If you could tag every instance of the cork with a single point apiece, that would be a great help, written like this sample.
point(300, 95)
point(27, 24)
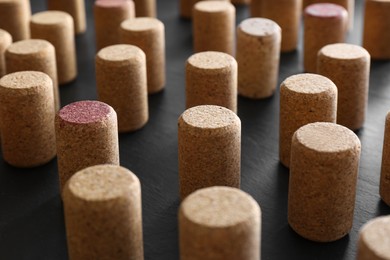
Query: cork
point(145, 8)
point(76, 8)
point(15, 16)
point(211, 79)
point(149, 35)
point(241, 2)
point(384, 188)
point(121, 83)
point(103, 214)
point(324, 24)
point(5, 42)
point(323, 175)
point(219, 223)
point(35, 55)
point(287, 14)
point(304, 98)
point(214, 26)
point(374, 238)
point(87, 135)
point(348, 66)
point(186, 6)
point(27, 115)
point(258, 54)
point(57, 28)
point(209, 148)
point(108, 16)
point(376, 39)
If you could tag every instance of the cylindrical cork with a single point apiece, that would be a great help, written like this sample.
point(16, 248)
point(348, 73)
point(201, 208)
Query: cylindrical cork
point(214, 26)
point(384, 188)
point(348, 66)
point(103, 214)
point(324, 24)
point(121, 83)
point(76, 8)
point(187, 5)
point(374, 239)
point(148, 34)
point(376, 37)
point(323, 176)
point(145, 8)
point(86, 135)
point(108, 15)
point(27, 116)
point(287, 14)
point(5, 42)
point(15, 16)
point(211, 79)
point(209, 135)
point(35, 55)
point(304, 99)
point(258, 54)
point(219, 223)
point(241, 2)
point(57, 28)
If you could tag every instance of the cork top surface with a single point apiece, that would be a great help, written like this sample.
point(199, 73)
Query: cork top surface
point(327, 137)
point(30, 46)
point(102, 183)
point(211, 60)
point(308, 83)
point(259, 27)
point(120, 52)
point(376, 235)
point(5, 36)
point(213, 6)
point(25, 80)
point(325, 10)
point(112, 3)
point(50, 17)
point(344, 51)
point(209, 117)
point(84, 112)
point(141, 24)
point(219, 207)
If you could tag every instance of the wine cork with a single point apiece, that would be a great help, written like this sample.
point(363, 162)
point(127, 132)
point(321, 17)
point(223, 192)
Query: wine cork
point(219, 223)
point(348, 66)
point(57, 28)
point(214, 26)
point(27, 115)
point(121, 83)
point(258, 54)
point(15, 16)
point(5, 42)
point(187, 5)
point(145, 8)
point(323, 176)
point(108, 15)
point(86, 135)
point(35, 55)
point(384, 188)
point(324, 24)
point(209, 135)
point(374, 238)
point(103, 214)
point(148, 34)
point(76, 8)
point(376, 39)
point(241, 2)
point(304, 99)
point(211, 79)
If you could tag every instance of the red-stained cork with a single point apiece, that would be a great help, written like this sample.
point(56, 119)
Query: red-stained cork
point(85, 112)
point(325, 10)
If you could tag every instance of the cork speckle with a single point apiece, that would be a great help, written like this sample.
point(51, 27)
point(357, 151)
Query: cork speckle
point(211, 60)
point(29, 46)
point(24, 80)
point(344, 51)
point(325, 10)
point(209, 116)
point(308, 83)
point(259, 27)
point(119, 52)
point(84, 112)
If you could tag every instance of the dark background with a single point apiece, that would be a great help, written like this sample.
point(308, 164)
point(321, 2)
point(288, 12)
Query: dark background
point(31, 216)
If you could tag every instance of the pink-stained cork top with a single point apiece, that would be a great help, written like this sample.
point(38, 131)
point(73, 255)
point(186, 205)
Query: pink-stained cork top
point(325, 10)
point(85, 112)
point(112, 3)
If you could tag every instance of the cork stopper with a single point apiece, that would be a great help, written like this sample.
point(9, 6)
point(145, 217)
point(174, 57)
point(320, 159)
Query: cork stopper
point(76, 8)
point(120, 54)
point(85, 112)
point(259, 27)
point(113, 3)
point(344, 51)
point(5, 42)
point(146, 8)
point(15, 16)
point(384, 188)
point(213, 6)
point(211, 60)
point(325, 10)
point(28, 81)
point(308, 83)
point(141, 24)
point(50, 18)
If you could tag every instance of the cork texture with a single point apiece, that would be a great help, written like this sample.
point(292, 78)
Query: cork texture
point(258, 54)
point(15, 16)
point(348, 66)
point(241, 2)
point(304, 98)
point(27, 115)
point(5, 42)
point(185, 7)
point(384, 188)
point(376, 39)
point(35, 55)
point(121, 83)
point(149, 35)
point(214, 26)
point(103, 214)
point(209, 142)
point(211, 79)
point(87, 135)
point(323, 176)
point(219, 223)
point(145, 8)
point(324, 24)
point(108, 16)
point(57, 28)
point(76, 8)
point(373, 241)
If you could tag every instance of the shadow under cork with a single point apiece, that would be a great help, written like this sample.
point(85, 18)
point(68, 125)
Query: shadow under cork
point(382, 208)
